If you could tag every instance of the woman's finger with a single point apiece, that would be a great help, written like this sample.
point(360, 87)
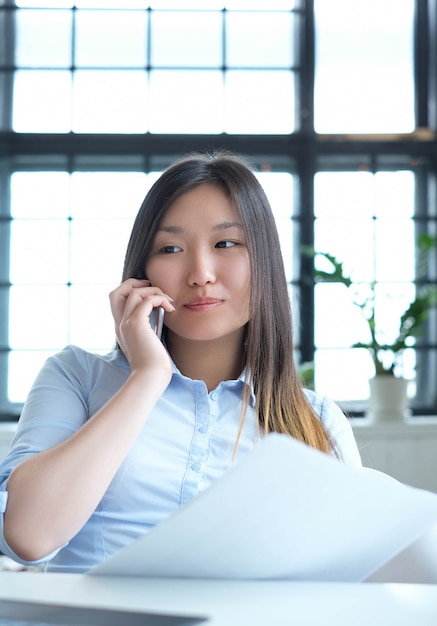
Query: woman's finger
point(119, 296)
point(131, 305)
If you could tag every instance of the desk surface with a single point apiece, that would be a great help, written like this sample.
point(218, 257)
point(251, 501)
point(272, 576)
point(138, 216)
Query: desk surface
point(236, 603)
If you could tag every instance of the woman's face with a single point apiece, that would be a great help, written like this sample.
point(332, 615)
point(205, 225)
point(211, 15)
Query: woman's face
point(200, 259)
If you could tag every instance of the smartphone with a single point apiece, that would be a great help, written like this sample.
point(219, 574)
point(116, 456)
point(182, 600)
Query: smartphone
point(157, 320)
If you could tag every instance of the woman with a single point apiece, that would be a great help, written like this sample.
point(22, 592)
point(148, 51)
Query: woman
point(125, 439)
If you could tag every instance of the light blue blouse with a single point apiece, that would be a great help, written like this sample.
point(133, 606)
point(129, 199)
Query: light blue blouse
point(186, 444)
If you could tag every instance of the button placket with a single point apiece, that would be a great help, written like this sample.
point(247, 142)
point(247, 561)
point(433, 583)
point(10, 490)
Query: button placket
point(199, 445)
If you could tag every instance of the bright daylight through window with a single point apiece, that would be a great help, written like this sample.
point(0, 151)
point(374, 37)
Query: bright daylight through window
point(98, 97)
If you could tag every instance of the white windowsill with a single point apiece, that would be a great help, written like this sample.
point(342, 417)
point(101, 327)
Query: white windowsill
point(410, 426)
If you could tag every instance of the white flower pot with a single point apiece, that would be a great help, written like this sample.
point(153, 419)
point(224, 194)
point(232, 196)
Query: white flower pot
point(388, 400)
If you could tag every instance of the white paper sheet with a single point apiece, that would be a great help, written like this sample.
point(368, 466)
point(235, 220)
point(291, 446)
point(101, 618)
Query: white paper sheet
point(285, 511)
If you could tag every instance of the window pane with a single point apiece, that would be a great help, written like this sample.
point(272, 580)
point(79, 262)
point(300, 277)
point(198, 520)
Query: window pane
point(356, 216)
point(112, 4)
point(43, 38)
point(394, 194)
point(394, 255)
point(42, 101)
point(40, 195)
point(100, 262)
point(270, 5)
point(111, 38)
point(341, 325)
point(204, 5)
point(259, 102)
point(391, 300)
point(259, 39)
point(51, 4)
point(186, 102)
point(343, 195)
point(343, 374)
point(279, 188)
point(107, 194)
point(38, 317)
point(364, 66)
point(95, 330)
point(349, 240)
point(186, 39)
point(110, 101)
point(23, 367)
point(39, 251)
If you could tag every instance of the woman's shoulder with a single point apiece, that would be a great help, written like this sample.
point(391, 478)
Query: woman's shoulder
point(322, 405)
point(75, 357)
point(336, 423)
point(74, 383)
point(82, 369)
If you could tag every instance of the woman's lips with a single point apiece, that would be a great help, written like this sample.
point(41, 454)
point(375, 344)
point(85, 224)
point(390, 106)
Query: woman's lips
point(203, 305)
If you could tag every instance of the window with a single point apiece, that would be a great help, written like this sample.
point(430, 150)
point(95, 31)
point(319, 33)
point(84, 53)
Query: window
point(364, 67)
point(69, 232)
point(333, 103)
point(161, 68)
point(367, 220)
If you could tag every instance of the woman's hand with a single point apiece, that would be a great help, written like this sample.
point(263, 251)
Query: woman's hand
point(131, 305)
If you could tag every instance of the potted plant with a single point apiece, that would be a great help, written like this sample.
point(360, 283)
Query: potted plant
point(386, 355)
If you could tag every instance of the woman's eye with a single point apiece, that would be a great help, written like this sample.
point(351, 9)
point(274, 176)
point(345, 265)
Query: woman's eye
point(225, 244)
point(170, 249)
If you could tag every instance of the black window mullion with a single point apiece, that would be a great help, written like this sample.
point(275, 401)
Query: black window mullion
point(306, 171)
point(7, 60)
point(421, 65)
point(5, 231)
point(431, 61)
point(306, 71)
point(305, 157)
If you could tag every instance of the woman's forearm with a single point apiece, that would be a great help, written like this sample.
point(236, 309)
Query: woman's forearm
point(52, 494)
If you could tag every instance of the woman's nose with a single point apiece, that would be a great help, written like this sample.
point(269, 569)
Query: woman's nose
point(201, 269)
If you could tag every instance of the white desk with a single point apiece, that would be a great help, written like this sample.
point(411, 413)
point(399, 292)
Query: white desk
point(236, 603)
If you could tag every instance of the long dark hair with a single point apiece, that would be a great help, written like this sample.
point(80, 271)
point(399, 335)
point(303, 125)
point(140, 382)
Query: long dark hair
point(281, 403)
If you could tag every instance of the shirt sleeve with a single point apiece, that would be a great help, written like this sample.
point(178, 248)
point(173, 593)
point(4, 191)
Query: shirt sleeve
point(338, 427)
point(55, 408)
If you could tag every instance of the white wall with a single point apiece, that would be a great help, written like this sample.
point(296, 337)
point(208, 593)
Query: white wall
point(405, 450)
